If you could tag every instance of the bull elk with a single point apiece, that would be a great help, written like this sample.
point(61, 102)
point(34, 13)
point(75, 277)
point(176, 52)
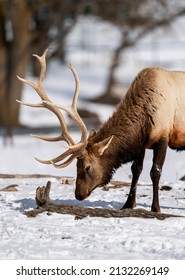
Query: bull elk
point(150, 116)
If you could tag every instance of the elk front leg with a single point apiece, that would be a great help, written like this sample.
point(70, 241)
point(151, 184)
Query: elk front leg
point(136, 169)
point(158, 160)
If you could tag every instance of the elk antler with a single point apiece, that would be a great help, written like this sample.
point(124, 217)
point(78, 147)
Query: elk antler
point(73, 149)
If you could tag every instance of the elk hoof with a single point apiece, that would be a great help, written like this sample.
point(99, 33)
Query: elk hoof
point(155, 209)
point(128, 205)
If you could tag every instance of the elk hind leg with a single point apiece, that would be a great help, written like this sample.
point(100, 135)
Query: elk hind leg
point(155, 173)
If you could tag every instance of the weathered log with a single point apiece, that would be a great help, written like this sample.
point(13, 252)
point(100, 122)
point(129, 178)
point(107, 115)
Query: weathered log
point(23, 176)
point(44, 204)
point(42, 195)
point(10, 188)
point(62, 179)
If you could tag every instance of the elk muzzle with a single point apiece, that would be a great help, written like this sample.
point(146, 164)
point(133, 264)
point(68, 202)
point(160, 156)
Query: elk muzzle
point(81, 192)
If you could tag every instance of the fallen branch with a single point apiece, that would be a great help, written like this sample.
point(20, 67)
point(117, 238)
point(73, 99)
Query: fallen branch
point(120, 184)
point(10, 188)
point(44, 204)
point(67, 180)
point(64, 180)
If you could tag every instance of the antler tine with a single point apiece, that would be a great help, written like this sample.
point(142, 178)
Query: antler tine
point(42, 60)
point(77, 85)
point(56, 159)
point(72, 111)
point(39, 105)
point(74, 105)
point(61, 157)
point(39, 89)
point(66, 163)
point(49, 139)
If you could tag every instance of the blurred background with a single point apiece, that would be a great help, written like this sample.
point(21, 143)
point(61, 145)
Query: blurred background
point(108, 42)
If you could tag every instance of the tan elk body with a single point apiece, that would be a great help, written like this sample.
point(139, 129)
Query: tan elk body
point(150, 116)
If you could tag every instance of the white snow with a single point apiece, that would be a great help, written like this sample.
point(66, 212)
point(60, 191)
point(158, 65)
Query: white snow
point(61, 236)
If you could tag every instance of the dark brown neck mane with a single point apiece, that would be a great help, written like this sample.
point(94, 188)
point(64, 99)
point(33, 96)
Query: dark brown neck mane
point(130, 125)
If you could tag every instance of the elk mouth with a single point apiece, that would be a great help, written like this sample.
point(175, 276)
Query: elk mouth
point(97, 186)
point(89, 192)
point(81, 196)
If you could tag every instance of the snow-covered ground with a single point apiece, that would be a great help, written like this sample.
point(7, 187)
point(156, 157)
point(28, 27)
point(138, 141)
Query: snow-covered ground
point(61, 236)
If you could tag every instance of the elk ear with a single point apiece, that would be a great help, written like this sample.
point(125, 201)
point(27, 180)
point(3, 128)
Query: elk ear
point(92, 133)
point(103, 145)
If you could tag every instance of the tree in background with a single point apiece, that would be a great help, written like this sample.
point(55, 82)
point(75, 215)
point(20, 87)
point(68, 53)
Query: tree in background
point(30, 26)
point(27, 27)
point(135, 19)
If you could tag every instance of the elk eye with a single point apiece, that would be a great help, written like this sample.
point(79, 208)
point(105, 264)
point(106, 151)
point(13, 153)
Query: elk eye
point(87, 168)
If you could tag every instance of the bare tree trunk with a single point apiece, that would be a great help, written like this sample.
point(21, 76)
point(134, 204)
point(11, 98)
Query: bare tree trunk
point(14, 55)
point(108, 95)
point(3, 79)
point(17, 57)
point(129, 41)
point(2, 85)
point(2, 64)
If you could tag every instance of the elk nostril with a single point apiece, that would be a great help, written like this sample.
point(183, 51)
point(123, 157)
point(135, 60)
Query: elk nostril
point(78, 195)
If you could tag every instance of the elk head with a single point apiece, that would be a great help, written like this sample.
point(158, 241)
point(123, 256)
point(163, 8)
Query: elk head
point(90, 156)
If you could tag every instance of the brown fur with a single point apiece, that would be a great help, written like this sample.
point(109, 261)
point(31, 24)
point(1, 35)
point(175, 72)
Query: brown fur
point(136, 124)
point(150, 116)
